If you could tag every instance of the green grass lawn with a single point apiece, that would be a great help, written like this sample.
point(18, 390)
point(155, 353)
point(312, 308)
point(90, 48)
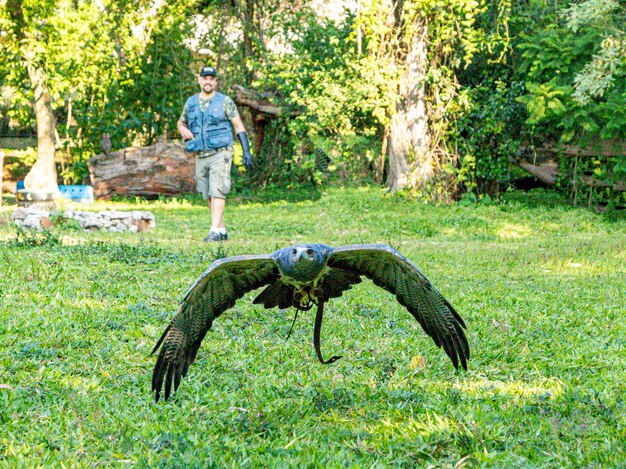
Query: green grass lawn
point(541, 286)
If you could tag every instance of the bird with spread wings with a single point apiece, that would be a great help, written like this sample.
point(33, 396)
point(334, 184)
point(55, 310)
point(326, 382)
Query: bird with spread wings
point(302, 276)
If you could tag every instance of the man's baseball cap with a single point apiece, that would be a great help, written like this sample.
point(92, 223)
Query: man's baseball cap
point(210, 71)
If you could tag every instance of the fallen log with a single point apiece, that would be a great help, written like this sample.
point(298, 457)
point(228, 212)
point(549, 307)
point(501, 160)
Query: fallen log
point(164, 168)
point(546, 172)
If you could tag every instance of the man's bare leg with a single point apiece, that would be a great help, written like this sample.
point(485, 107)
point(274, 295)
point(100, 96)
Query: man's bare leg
point(216, 205)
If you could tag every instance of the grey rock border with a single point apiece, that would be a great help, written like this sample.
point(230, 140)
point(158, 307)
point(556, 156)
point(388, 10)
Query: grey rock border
point(110, 220)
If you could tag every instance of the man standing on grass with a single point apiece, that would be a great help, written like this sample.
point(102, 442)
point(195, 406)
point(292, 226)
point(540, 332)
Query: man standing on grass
point(206, 126)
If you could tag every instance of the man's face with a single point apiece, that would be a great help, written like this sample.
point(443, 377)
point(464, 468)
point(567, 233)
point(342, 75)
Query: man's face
point(208, 84)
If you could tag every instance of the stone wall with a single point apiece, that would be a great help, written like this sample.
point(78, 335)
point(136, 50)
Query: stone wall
point(35, 218)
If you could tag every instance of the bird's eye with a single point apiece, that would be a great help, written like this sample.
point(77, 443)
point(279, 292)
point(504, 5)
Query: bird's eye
point(294, 251)
point(310, 252)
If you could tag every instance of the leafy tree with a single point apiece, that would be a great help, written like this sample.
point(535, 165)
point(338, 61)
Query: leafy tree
point(143, 100)
point(607, 67)
point(491, 125)
point(368, 79)
point(560, 82)
point(425, 44)
point(576, 91)
point(336, 97)
point(91, 67)
point(438, 96)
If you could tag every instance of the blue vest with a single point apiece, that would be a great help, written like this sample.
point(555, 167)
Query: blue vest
point(211, 129)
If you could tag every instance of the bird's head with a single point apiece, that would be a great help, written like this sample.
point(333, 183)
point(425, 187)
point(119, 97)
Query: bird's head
point(303, 262)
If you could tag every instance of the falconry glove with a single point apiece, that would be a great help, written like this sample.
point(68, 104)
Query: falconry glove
point(245, 145)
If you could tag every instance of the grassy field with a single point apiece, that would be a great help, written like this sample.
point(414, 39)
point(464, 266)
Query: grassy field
point(541, 286)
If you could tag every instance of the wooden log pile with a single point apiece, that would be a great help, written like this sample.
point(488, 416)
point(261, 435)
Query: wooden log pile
point(164, 168)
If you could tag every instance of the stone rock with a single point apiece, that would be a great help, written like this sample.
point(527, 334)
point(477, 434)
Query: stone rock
point(32, 222)
point(33, 210)
point(115, 221)
point(142, 225)
point(19, 213)
point(120, 215)
point(92, 222)
point(45, 223)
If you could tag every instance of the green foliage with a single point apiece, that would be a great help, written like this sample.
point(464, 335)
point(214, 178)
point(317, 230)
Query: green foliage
point(489, 122)
point(501, 76)
point(465, 39)
point(112, 67)
point(337, 99)
point(540, 285)
point(489, 134)
point(62, 222)
point(145, 102)
point(575, 73)
point(560, 84)
point(608, 64)
point(545, 101)
point(339, 81)
point(29, 238)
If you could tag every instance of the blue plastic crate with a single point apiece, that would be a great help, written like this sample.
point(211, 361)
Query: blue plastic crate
point(81, 194)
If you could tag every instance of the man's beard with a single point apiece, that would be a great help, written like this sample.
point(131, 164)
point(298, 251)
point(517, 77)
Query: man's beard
point(207, 88)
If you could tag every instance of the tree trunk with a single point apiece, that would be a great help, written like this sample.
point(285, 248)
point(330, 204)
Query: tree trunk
point(1, 172)
point(43, 174)
point(408, 141)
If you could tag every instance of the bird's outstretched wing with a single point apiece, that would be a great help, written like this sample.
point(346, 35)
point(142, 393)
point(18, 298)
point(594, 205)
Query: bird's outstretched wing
point(217, 289)
point(388, 269)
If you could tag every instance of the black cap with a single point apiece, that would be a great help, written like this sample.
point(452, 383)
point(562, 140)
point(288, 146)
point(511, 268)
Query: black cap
point(210, 71)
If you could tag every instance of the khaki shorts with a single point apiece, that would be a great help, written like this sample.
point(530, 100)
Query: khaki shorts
point(213, 174)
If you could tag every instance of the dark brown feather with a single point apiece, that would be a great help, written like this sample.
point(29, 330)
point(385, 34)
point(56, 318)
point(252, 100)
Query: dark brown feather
point(276, 294)
point(336, 281)
point(388, 269)
point(225, 281)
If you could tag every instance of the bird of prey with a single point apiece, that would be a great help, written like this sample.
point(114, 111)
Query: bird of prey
point(302, 276)
point(105, 142)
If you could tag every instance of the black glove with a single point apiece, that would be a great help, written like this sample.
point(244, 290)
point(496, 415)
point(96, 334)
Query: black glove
point(245, 145)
